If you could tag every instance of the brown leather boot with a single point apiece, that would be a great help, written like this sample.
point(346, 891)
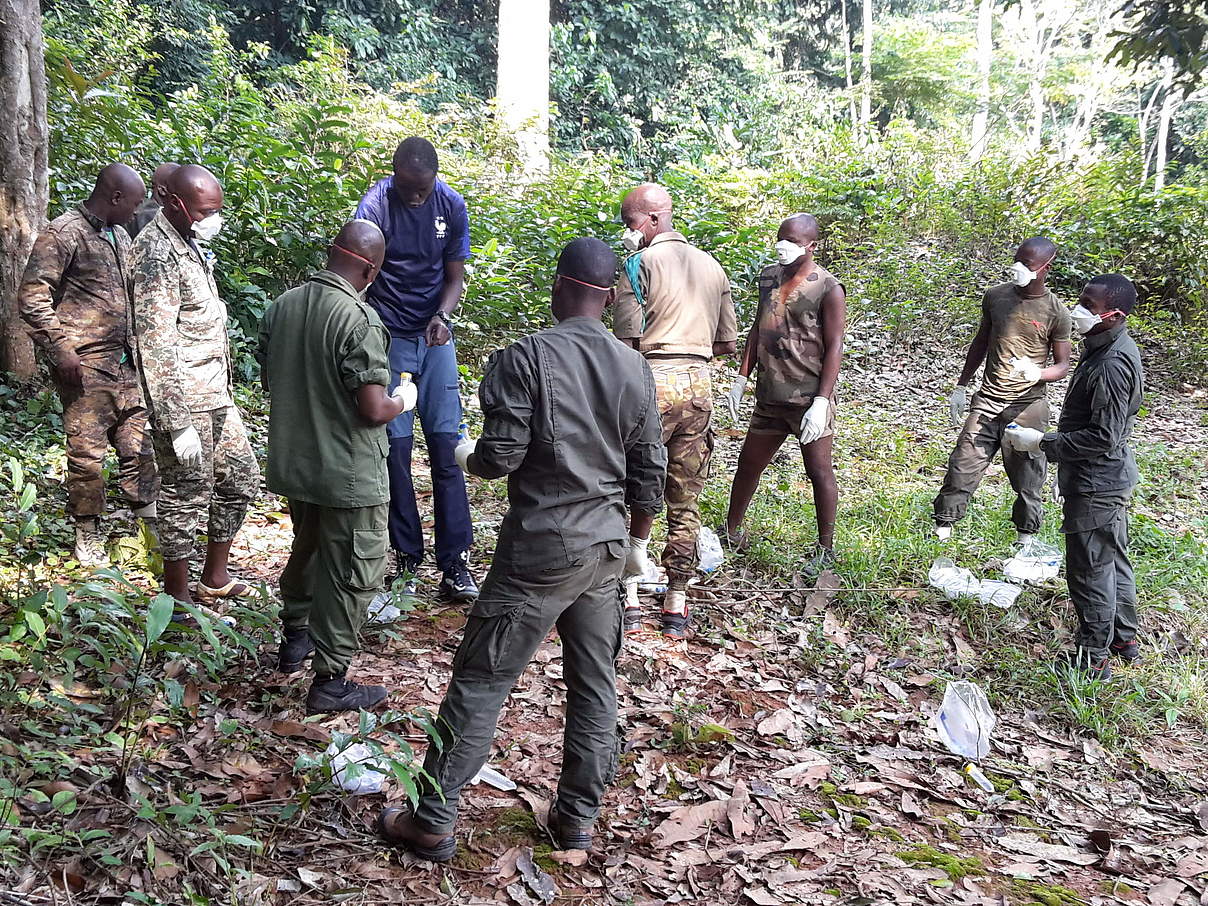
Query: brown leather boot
point(398, 826)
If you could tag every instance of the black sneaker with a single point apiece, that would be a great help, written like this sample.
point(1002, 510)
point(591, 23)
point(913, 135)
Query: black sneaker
point(403, 568)
point(632, 620)
point(1078, 661)
point(337, 693)
point(1130, 652)
point(820, 560)
point(567, 834)
point(674, 625)
point(457, 584)
point(296, 646)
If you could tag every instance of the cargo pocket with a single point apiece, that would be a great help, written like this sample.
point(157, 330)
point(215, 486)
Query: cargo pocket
point(488, 636)
point(368, 560)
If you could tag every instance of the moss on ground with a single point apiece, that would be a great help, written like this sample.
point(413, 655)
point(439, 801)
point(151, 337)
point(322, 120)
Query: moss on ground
point(953, 866)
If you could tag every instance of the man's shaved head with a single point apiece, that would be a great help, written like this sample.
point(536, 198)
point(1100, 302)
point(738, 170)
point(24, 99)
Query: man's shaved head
point(193, 195)
point(356, 253)
point(161, 176)
point(589, 261)
point(799, 228)
point(191, 181)
point(118, 191)
point(1036, 252)
point(644, 199)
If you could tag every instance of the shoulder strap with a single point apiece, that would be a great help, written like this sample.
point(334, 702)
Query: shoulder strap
point(632, 271)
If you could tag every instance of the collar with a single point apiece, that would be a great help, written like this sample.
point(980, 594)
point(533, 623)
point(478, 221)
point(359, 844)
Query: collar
point(93, 221)
point(181, 246)
point(582, 319)
point(669, 236)
point(335, 281)
point(1107, 338)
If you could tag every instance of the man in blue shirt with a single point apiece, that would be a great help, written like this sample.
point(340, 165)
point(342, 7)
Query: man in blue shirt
point(427, 232)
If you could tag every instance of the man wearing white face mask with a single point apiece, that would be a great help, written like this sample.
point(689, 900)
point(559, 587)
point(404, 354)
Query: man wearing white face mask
point(1024, 340)
point(208, 471)
point(674, 306)
point(1096, 472)
point(797, 344)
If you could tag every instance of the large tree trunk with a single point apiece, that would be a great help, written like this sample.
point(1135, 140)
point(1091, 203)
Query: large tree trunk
point(851, 93)
point(866, 60)
point(1038, 62)
point(985, 56)
point(522, 80)
point(23, 177)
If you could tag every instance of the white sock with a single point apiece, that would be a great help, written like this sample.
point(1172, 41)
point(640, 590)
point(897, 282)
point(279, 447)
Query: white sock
point(676, 600)
point(1024, 537)
point(631, 593)
point(943, 532)
point(639, 544)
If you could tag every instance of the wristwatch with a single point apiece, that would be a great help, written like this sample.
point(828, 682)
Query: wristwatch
point(444, 317)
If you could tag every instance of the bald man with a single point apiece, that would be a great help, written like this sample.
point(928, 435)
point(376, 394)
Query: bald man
point(208, 471)
point(674, 306)
point(146, 211)
point(324, 357)
point(74, 297)
point(1024, 340)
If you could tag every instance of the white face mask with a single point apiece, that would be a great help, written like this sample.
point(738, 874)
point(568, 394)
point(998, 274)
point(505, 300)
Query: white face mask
point(632, 240)
point(208, 227)
point(787, 252)
point(1085, 321)
point(1021, 274)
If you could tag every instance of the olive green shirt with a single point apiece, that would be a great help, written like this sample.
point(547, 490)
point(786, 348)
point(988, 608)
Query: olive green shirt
point(1020, 327)
point(320, 343)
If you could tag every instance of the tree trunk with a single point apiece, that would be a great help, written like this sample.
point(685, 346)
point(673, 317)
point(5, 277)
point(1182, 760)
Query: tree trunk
point(522, 80)
point(851, 92)
point(866, 60)
point(23, 176)
point(1036, 56)
point(1170, 103)
point(985, 55)
point(1143, 127)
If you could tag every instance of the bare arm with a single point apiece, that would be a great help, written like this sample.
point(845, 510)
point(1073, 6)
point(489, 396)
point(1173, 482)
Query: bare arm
point(747, 363)
point(1061, 362)
point(726, 348)
point(977, 352)
point(376, 406)
point(834, 321)
point(438, 333)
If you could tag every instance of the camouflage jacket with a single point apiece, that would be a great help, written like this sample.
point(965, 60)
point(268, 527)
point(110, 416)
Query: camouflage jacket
point(789, 326)
point(73, 294)
point(181, 325)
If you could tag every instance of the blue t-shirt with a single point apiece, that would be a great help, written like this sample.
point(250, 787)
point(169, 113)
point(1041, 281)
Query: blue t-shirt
point(419, 241)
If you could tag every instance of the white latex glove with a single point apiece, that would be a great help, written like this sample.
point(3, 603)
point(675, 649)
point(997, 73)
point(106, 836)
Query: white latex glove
point(734, 397)
point(462, 452)
point(813, 423)
point(1026, 369)
point(957, 404)
point(187, 445)
point(408, 393)
point(637, 560)
point(1025, 440)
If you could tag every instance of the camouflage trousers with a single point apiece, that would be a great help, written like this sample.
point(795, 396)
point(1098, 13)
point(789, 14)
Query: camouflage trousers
point(218, 491)
point(107, 411)
point(685, 398)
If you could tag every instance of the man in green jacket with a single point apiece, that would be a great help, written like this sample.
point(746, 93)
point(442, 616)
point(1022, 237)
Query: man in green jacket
point(323, 352)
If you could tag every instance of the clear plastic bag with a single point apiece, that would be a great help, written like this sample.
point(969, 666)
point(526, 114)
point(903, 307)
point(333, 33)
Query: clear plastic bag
point(708, 549)
point(954, 581)
point(1035, 562)
point(998, 594)
point(965, 720)
point(362, 780)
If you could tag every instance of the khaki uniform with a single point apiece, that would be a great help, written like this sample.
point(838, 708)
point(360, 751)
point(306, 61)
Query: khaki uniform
point(74, 297)
point(1020, 327)
point(318, 345)
point(185, 364)
point(679, 308)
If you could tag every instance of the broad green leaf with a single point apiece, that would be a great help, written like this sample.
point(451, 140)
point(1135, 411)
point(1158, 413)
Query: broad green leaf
point(159, 615)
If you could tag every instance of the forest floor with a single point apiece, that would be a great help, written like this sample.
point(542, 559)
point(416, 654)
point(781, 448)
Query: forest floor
point(782, 754)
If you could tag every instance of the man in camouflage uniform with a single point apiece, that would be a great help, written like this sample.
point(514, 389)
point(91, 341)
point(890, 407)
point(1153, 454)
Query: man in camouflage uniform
point(146, 211)
point(796, 343)
point(205, 462)
point(74, 298)
point(674, 306)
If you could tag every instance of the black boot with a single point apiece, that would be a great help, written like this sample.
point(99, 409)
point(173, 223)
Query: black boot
point(329, 694)
point(458, 585)
point(296, 646)
point(567, 834)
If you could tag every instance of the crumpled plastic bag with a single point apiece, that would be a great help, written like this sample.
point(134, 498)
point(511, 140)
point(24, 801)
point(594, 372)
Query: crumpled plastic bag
point(999, 594)
point(954, 581)
point(708, 550)
point(381, 610)
point(364, 779)
point(965, 720)
point(1035, 562)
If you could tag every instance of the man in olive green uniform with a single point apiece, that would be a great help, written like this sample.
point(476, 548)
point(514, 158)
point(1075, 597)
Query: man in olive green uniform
point(571, 417)
point(74, 297)
point(207, 469)
point(146, 211)
point(797, 343)
point(323, 352)
point(1023, 325)
point(1096, 473)
point(674, 306)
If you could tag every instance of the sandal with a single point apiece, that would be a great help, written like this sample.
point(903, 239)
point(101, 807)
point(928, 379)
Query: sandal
point(236, 588)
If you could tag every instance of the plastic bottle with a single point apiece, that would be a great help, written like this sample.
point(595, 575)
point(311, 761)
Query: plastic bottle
point(463, 433)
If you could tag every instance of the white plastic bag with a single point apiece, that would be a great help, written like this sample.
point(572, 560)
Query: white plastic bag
point(708, 549)
point(1000, 594)
point(954, 581)
point(491, 777)
point(382, 610)
point(965, 720)
point(363, 782)
point(1035, 562)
